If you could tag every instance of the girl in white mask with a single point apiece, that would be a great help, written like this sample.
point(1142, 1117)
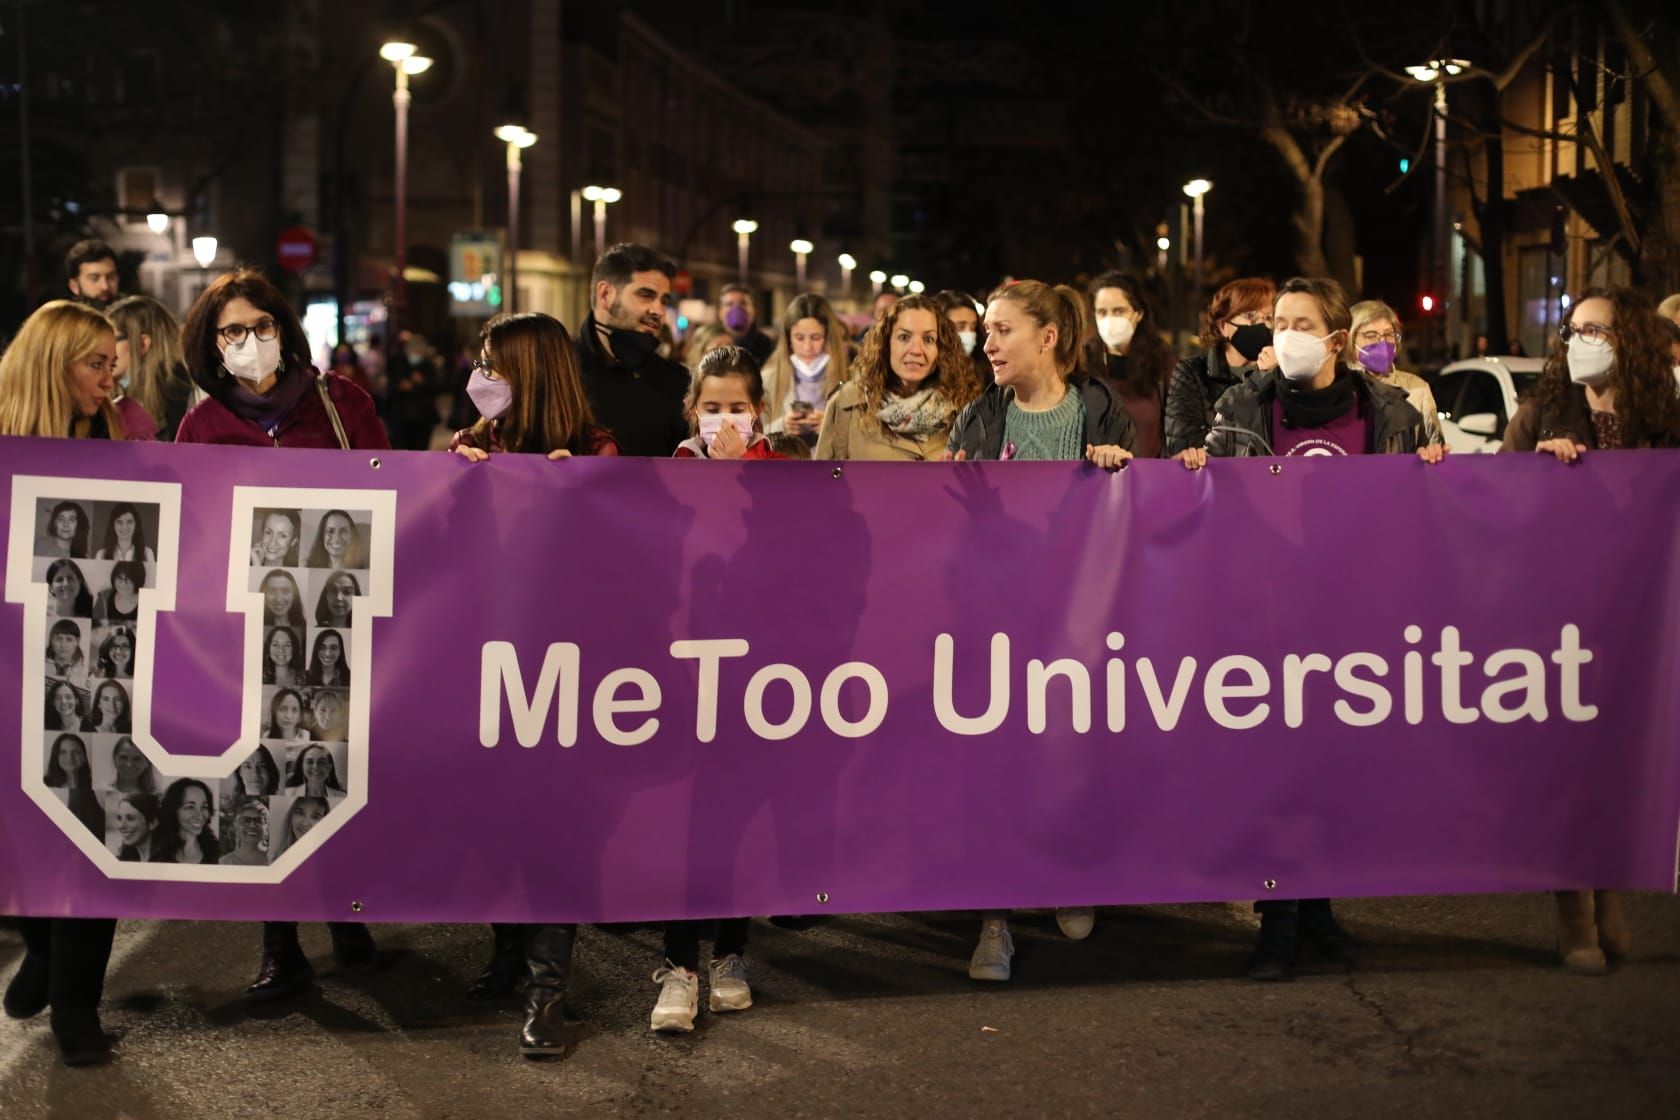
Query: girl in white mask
point(808, 364)
point(1608, 382)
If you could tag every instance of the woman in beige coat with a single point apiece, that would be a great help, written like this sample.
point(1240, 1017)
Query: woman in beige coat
point(910, 380)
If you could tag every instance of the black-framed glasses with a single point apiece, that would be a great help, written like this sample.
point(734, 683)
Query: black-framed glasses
point(484, 366)
point(266, 330)
point(1592, 332)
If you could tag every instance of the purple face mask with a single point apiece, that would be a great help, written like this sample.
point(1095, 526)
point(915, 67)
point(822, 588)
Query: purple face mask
point(1378, 357)
point(737, 318)
point(491, 396)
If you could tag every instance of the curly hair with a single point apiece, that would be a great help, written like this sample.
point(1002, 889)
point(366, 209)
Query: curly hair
point(953, 370)
point(1642, 378)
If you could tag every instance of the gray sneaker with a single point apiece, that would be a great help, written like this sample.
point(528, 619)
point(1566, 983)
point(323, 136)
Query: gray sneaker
point(679, 999)
point(729, 984)
point(991, 957)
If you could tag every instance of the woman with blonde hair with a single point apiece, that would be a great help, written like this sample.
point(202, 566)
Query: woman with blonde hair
point(808, 364)
point(911, 379)
point(1376, 350)
point(149, 364)
point(56, 380)
point(702, 340)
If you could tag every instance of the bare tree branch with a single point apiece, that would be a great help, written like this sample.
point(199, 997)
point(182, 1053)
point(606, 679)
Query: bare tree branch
point(1656, 83)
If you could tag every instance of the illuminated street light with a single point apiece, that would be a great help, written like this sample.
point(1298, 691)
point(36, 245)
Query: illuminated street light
point(1196, 190)
point(847, 264)
point(1432, 73)
point(406, 60)
point(917, 287)
point(204, 250)
point(157, 219)
point(744, 229)
point(517, 138)
point(900, 281)
point(876, 279)
point(602, 197)
point(801, 249)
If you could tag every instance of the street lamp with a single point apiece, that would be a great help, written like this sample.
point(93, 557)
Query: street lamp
point(204, 251)
point(157, 218)
point(847, 264)
point(917, 287)
point(744, 228)
point(1435, 72)
point(406, 60)
point(899, 281)
point(876, 279)
point(1162, 246)
point(801, 249)
point(1196, 190)
point(602, 197)
point(518, 138)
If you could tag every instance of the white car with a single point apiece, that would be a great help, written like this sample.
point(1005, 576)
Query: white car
point(1477, 397)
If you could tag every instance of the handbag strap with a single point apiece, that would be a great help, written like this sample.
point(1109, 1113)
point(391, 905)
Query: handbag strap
point(332, 412)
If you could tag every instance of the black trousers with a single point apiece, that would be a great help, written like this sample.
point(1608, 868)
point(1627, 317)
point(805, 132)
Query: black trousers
point(682, 940)
point(1306, 906)
point(75, 952)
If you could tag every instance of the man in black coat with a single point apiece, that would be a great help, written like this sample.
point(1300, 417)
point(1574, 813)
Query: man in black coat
point(633, 392)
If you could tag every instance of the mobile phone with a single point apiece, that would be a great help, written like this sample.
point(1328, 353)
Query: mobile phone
point(800, 407)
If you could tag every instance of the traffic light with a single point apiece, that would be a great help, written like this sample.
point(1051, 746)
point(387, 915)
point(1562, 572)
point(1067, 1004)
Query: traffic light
point(1405, 166)
point(1427, 302)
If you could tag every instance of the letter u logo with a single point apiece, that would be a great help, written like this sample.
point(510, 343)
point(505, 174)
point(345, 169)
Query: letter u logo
point(94, 562)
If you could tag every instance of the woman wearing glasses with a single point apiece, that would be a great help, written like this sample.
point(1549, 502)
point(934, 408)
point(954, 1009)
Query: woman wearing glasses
point(246, 349)
point(1608, 385)
point(1376, 350)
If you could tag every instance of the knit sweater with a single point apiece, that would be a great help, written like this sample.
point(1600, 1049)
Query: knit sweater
point(1052, 435)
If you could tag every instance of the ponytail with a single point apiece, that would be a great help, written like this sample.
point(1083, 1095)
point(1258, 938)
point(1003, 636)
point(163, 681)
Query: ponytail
point(1061, 307)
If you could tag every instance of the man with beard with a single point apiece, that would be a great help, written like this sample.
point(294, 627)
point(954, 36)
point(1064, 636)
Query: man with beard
point(633, 392)
point(91, 267)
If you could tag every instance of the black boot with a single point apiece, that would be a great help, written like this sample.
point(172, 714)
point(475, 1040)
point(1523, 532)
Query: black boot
point(1274, 954)
point(27, 994)
point(353, 947)
point(284, 970)
point(80, 954)
point(507, 962)
point(1322, 934)
point(548, 957)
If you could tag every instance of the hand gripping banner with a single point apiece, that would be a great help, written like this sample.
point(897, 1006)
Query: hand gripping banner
point(260, 684)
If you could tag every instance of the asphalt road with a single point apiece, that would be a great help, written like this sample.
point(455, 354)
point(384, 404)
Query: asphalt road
point(1457, 1008)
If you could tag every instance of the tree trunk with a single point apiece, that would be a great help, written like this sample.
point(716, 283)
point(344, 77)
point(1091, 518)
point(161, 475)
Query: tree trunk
point(1308, 219)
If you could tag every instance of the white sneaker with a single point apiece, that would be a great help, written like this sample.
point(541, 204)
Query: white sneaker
point(1077, 922)
point(729, 984)
point(991, 957)
point(679, 999)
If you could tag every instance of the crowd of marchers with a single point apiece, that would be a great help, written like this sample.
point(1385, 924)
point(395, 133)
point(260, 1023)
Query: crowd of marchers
point(1034, 371)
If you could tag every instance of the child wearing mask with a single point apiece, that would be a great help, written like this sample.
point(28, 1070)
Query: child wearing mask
point(724, 406)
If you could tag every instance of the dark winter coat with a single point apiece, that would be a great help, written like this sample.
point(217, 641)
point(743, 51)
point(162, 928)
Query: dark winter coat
point(1396, 427)
point(643, 409)
point(307, 425)
point(1196, 385)
point(979, 428)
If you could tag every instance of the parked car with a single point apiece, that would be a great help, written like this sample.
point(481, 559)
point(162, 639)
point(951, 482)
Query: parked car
point(1477, 397)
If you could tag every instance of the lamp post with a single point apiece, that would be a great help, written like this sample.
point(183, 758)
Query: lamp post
point(157, 218)
point(1434, 73)
point(518, 138)
point(801, 249)
point(1162, 246)
point(744, 229)
point(577, 227)
point(900, 281)
point(917, 287)
point(1196, 190)
point(602, 197)
point(405, 60)
point(847, 264)
point(876, 279)
point(204, 251)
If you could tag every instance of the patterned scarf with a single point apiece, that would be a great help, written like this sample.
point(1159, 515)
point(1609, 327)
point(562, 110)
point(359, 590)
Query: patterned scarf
point(919, 415)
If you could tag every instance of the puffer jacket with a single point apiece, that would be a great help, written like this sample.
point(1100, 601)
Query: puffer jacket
point(979, 428)
point(1245, 411)
point(1196, 385)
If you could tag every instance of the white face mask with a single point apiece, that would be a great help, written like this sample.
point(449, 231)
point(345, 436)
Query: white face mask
point(1116, 330)
point(252, 360)
point(710, 423)
point(1300, 355)
point(968, 339)
point(811, 370)
point(1590, 362)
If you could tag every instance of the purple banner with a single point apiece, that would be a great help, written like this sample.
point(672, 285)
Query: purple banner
point(321, 685)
